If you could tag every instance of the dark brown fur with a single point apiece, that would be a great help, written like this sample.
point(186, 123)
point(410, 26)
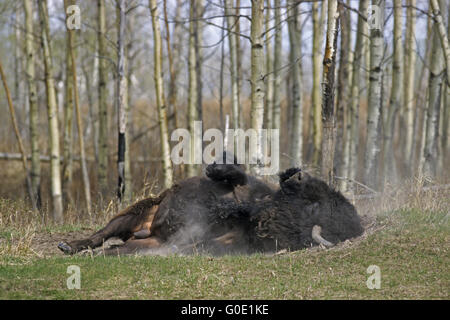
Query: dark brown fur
point(230, 212)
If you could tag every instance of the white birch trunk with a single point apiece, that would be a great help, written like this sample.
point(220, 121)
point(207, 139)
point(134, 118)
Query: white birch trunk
point(435, 87)
point(277, 63)
point(395, 103)
point(257, 76)
point(160, 98)
point(296, 139)
point(375, 102)
point(328, 116)
point(52, 112)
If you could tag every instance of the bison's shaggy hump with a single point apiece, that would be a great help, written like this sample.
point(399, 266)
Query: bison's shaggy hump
point(287, 220)
point(192, 211)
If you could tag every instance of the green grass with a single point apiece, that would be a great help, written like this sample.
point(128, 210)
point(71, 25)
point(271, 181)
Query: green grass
point(411, 249)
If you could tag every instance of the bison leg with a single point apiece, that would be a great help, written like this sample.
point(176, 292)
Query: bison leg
point(133, 246)
point(134, 219)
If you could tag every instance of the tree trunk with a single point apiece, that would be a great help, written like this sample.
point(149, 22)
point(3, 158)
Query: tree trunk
point(409, 84)
point(121, 101)
point(433, 108)
point(198, 36)
point(389, 173)
point(84, 170)
point(269, 72)
point(296, 139)
point(239, 57)
point(355, 93)
point(192, 95)
point(17, 61)
point(443, 37)
point(316, 94)
point(173, 65)
point(277, 59)
point(375, 102)
point(231, 22)
point(67, 166)
point(52, 112)
point(257, 76)
point(160, 98)
point(102, 103)
point(343, 90)
point(446, 111)
point(32, 98)
point(328, 121)
point(420, 117)
point(17, 133)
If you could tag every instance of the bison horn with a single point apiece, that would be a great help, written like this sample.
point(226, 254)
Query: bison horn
point(316, 230)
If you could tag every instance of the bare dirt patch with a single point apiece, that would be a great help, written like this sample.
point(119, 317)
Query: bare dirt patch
point(45, 243)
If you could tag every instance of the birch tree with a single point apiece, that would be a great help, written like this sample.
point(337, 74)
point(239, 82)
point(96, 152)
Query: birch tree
point(198, 36)
point(257, 74)
point(355, 92)
point(84, 170)
point(296, 139)
point(160, 98)
point(318, 21)
point(238, 55)
point(17, 133)
point(192, 91)
point(446, 111)
point(277, 59)
point(443, 37)
point(329, 65)
point(421, 103)
point(102, 99)
point(67, 170)
point(17, 57)
point(121, 101)
point(396, 96)
point(35, 171)
point(375, 99)
point(173, 57)
point(433, 108)
point(231, 22)
point(409, 83)
point(342, 145)
point(52, 112)
point(269, 71)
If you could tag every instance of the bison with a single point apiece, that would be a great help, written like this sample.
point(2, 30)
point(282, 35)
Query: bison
point(229, 212)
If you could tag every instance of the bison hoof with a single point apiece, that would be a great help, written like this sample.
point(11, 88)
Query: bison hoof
point(64, 247)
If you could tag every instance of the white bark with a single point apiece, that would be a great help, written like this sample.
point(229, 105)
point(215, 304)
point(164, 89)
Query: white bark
point(375, 102)
point(328, 116)
point(257, 75)
point(277, 63)
point(409, 84)
point(52, 112)
point(160, 98)
point(231, 22)
point(296, 140)
point(192, 94)
point(435, 87)
point(396, 97)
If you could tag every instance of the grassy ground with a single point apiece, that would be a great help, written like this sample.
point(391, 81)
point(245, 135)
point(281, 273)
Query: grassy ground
point(410, 247)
